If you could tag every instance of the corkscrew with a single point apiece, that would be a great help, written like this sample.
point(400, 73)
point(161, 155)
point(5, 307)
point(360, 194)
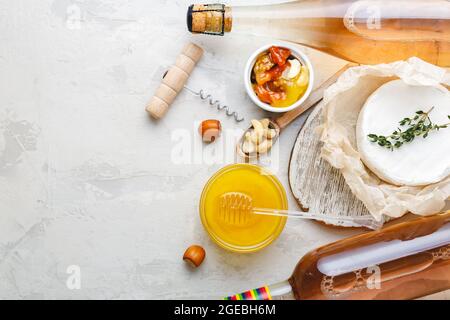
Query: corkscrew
point(215, 103)
point(175, 79)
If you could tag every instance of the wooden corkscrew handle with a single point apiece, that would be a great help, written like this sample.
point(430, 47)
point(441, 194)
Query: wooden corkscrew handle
point(174, 80)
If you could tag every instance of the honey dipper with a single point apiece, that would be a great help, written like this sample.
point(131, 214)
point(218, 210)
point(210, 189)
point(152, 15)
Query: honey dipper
point(236, 208)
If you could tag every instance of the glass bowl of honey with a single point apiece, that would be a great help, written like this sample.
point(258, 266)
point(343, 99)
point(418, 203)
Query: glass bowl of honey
point(265, 191)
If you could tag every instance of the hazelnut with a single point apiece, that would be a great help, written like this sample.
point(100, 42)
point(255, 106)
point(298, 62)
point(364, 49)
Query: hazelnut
point(210, 130)
point(194, 255)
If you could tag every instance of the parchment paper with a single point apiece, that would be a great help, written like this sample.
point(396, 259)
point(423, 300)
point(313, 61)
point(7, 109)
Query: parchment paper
point(343, 101)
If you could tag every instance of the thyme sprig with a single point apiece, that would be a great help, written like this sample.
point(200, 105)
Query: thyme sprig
point(419, 125)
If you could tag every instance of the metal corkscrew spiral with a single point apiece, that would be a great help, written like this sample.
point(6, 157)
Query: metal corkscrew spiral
point(204, 97)
point(215, 103)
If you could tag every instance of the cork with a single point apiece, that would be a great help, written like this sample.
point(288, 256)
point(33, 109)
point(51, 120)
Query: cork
point(228, 20)
point(198, 20)
point(209, 18)
point(174, 80)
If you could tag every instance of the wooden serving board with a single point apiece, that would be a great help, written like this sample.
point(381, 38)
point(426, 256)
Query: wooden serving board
point(316, 185)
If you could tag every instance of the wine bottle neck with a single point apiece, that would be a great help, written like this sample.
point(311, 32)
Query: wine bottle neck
point(218, 19)
point(321, 23)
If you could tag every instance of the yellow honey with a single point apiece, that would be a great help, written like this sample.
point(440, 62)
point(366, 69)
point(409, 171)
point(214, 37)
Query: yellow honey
point(265, 190)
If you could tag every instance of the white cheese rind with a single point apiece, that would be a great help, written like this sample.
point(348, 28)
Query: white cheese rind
point(420, 162)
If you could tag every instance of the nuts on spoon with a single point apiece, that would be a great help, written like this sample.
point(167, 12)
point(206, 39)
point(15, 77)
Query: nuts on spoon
point(259, 138)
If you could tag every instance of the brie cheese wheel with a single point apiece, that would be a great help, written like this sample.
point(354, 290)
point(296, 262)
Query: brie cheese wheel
point(417, 163)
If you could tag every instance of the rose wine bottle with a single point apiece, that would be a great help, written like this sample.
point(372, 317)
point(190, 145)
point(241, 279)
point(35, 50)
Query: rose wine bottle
point(365, 31)
point(404, 261)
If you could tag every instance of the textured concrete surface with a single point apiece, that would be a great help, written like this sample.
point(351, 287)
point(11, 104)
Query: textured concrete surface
point(94, 201)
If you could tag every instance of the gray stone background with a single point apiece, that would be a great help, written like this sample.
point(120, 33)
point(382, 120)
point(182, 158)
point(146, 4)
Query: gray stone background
point(87, 181)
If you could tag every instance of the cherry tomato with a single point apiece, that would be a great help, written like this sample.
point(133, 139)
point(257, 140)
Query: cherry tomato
point(272, 74)
point(279, 55)
point(268, 96)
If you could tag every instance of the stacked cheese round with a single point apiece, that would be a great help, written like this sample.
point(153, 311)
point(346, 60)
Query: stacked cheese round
point(420, 162)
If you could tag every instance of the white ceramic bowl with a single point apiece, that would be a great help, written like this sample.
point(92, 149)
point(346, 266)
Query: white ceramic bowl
point(248, 73)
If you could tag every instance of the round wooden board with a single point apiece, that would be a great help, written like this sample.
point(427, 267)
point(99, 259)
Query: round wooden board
point(316, 185)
